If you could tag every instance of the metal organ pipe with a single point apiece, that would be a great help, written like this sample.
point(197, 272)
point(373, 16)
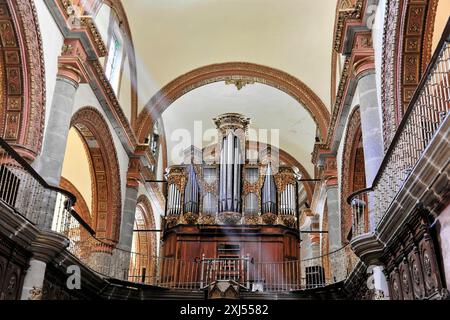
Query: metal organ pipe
point(236, 175)
point(229, 174)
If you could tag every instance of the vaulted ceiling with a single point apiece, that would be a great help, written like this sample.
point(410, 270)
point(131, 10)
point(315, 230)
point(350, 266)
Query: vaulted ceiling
point(174, 37)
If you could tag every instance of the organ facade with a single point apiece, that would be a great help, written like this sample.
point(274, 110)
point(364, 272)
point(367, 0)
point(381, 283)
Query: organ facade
point(231, 211)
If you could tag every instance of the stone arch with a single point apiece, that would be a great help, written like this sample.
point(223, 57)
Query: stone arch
point(238, 71)
point(353, 169)
point(106, 190)
point(22, 77)
point(408, 32)
point(80, 207)
point(147, 239)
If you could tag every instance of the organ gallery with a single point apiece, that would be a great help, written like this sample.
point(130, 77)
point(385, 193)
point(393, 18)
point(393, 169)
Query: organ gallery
point(239, 217)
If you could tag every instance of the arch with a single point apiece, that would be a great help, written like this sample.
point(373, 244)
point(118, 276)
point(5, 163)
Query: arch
point(106, 190)
point(146, 241)
point(233, 70)
point(408, 32)
point(80, 206)
point(353, 170)
point(22, 77)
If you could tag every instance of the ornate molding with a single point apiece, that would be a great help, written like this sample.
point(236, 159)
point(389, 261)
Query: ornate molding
point(226, 71)
point(406, 51)
point(106, 200)
point(22, 77)
point(346, 12)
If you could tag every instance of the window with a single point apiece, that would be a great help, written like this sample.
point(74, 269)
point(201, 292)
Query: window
point(114, 62)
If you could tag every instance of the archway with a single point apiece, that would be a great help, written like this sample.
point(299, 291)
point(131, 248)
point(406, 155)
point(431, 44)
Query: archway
point(353, 172)
point(144, 258)
point(239, 71)
point(106, 191)
point(22, 80)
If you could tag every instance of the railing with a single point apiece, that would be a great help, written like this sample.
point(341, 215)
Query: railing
point(28, 194)
point(231, 269)
point(195, 275)
point(428, 108)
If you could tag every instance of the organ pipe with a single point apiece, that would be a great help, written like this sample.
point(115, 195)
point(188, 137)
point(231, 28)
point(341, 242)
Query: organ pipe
point(230, 174)
point(191, 193)
point(269, 193)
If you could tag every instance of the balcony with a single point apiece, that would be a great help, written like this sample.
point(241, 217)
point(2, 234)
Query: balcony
point(417, 155)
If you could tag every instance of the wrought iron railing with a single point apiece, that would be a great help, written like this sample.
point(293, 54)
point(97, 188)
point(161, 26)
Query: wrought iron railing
point(428, 109)
point(29, 195)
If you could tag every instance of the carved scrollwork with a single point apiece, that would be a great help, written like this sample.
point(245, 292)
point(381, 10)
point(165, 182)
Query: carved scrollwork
point(172, 221)
point(207, 219)
point(269, 218)
point(288, 220)
point(230, 218)
point(190, 218)
point(252, 219)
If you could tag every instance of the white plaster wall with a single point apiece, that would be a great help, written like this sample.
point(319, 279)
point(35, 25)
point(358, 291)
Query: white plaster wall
point(125, 90)
point(52, 42)
point(102, 21)
point(86, 97)
point(377, 37)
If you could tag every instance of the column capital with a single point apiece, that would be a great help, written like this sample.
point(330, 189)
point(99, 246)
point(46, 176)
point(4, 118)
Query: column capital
point(134, 174)
point(71, 62)
point(332, 182)
point(363, 58)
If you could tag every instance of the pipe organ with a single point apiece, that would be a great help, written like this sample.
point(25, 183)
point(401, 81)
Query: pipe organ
point(251, 207)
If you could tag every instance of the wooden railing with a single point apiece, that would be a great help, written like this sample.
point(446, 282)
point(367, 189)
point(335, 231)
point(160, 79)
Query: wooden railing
point(428, 109)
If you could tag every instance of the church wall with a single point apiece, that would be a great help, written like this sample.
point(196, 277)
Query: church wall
point(124, 93)
point(102, 21)
point(52, 42)
point(442, 15)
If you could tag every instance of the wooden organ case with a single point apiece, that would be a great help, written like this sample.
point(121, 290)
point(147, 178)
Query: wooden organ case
point(230, 219)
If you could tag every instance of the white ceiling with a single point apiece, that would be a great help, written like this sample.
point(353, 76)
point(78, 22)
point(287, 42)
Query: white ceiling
point(268, 108)
point(173, 37)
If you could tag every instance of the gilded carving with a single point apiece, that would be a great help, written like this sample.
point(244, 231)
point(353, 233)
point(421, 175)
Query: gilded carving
point(269, 218)
point(35, 294)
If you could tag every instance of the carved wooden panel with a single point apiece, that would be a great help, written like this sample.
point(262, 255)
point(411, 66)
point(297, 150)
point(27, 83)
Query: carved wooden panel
point(11, 279)
point(416, 274)
point(430, 268)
